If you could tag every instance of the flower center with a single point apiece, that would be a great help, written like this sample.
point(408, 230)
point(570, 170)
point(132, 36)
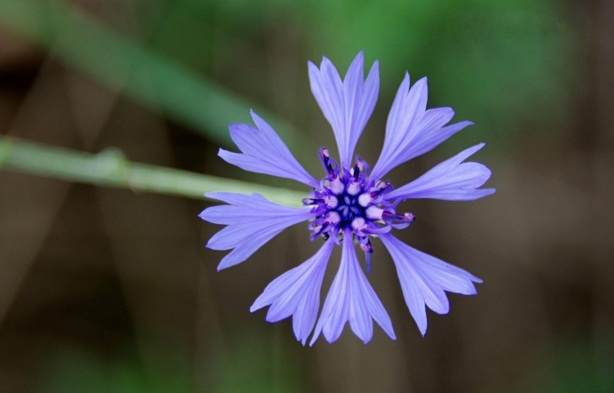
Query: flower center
point(348, 199)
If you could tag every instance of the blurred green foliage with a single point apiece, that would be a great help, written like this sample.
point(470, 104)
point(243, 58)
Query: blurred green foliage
point(574, 365)
point(251, 364)
point(496, 63)
point(248, 364)
point(130, 66)
point(79, 371)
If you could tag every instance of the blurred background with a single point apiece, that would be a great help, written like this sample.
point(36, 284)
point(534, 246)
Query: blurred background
point(112, 290)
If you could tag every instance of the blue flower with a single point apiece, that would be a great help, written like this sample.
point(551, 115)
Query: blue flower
point(350, 204)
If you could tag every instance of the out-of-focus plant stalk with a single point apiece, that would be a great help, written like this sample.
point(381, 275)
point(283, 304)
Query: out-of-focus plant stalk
point(112, 168)
point(130, 67)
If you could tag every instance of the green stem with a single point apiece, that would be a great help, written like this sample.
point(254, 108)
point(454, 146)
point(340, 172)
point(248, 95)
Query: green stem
point(111, 168)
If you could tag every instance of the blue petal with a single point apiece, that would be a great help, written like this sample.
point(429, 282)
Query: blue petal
point(346, 105)
point(252, 221)
point(412, 130)
point(424, 279)
point(351, 298)
point(296, 293)
point(264, 152)
point(451, 180)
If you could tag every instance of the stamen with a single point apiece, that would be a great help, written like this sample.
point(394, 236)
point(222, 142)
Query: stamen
point(337, 186)
point(330, 165)
point(382, 187)
point(359, 225)
point(332, 218)
point(347, 202)
point(354, 186)
point(362, 166)
point(374, 212)
point(331, 201)
point(398, 221)
point(365, 199)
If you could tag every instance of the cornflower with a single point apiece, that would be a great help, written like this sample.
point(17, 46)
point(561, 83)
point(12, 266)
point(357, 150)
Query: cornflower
point(352, 204)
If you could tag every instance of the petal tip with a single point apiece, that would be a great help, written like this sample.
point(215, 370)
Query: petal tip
point(422, 327)
point(360, 55)
point(257, 305)
point(489, 191)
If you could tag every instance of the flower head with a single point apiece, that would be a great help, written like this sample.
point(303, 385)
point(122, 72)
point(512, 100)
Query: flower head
point(351, 204)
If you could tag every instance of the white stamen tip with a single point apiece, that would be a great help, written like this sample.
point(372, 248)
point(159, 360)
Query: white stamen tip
point(374, 213)
point(364, 199)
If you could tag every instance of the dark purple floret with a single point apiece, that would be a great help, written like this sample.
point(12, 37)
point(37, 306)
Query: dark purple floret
point(348, 199)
